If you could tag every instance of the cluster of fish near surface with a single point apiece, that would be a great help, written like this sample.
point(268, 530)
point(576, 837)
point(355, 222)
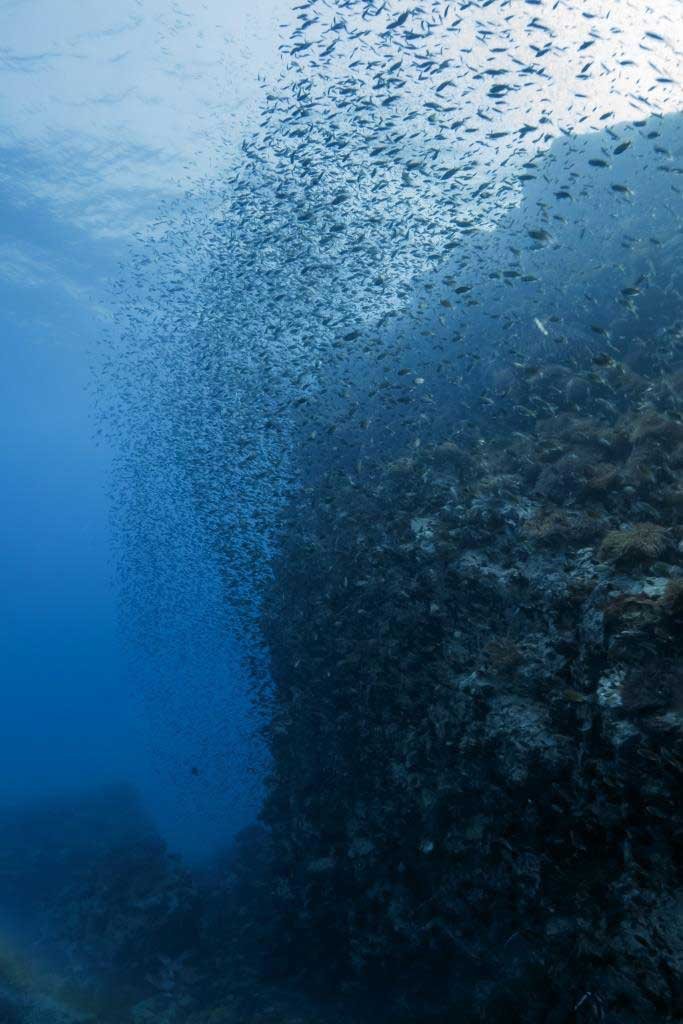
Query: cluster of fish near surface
point(355, 242)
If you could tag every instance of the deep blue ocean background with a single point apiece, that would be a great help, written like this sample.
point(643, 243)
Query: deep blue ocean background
point(103, 117)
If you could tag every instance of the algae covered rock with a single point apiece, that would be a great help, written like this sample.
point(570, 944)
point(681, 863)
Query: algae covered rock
point(642, 542)
point(476, 724)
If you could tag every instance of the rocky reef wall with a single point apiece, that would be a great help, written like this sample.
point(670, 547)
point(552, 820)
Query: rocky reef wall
point(476, 723)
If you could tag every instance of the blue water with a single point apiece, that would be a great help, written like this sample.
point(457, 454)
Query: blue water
point(103, 116)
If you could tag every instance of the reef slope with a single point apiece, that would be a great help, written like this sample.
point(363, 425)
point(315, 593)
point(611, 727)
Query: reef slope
point(476, 723)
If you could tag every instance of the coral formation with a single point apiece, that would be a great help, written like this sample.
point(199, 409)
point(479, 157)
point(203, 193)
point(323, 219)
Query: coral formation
point(476, 726)
point(639, 542)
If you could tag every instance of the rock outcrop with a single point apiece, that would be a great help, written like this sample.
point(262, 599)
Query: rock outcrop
point(476, 725)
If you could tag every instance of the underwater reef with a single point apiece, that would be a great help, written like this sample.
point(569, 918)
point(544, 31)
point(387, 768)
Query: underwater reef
point(476, 719)
point(473, 807)
point(94, 911)
point(101, 924)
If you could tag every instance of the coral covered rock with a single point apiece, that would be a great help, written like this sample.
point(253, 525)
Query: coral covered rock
point(476, 722)
point(637, 543)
